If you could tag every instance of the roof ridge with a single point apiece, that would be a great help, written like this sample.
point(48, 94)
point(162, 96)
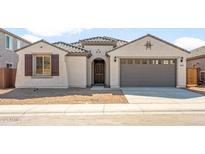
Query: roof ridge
point(108, 37)
point(194, 50)
point(91, 38)
point(102, 37)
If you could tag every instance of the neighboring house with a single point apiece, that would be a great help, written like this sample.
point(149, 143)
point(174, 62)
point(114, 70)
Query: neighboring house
point(8, 44)
point(145, 62)
point(197, 60)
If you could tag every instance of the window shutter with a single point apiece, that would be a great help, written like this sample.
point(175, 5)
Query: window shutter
point(28, 65)
point(55, 65)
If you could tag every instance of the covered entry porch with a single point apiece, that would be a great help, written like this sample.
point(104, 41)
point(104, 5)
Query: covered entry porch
point(99, 72)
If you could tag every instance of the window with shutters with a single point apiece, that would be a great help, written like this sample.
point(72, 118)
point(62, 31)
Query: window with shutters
point(42, 65)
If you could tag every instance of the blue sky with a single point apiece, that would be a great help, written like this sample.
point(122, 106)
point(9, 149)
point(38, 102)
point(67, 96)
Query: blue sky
point(186, 37)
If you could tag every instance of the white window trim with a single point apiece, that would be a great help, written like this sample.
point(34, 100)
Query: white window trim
point(11, 43)
point(34, 66)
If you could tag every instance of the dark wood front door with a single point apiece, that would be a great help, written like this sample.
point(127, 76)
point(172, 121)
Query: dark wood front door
point(99, 72)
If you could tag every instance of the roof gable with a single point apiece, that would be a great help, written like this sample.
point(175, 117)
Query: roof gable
point(67, 50)
point(40, 41)
point(154, 37)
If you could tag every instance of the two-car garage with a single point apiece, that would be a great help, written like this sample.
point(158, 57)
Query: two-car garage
point(147, 72)
point(148, 62)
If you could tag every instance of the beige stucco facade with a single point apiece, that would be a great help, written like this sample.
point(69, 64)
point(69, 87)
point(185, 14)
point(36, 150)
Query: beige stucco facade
point(78, 70)
point(137, 49)
point(98, 52)
point(72, 70)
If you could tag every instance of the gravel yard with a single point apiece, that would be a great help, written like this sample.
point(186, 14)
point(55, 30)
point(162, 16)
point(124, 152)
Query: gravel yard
point(61, 96)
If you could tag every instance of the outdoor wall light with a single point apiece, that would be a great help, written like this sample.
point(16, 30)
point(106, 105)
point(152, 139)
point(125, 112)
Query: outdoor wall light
point(182, 59)
point(115, 59)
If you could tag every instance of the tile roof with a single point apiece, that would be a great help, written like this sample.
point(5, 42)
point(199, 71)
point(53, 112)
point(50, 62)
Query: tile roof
point(71, 50)
point(98, 39)
point(198, 52)
point(70, 47)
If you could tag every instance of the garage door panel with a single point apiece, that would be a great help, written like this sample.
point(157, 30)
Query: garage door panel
point(147, 75)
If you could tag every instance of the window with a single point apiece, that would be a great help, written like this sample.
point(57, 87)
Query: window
point(42, 65)
point(166, 61)
point(160, 61)
point(144, 61)
point(9, 42)
point(18, 44)
point(137, 61)
point(123, 61)
point(171, 61)
point(155, 61)
point(9, 65)
point(129, 61)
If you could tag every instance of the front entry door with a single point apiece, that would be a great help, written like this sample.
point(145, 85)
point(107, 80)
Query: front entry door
point(99, 72)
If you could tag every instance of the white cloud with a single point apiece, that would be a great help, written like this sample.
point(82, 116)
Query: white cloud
point(51, 31)
point(31, 38)
point(189, 43)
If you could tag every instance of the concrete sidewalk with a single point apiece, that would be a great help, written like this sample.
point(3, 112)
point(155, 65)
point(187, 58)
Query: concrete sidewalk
point(99, 109)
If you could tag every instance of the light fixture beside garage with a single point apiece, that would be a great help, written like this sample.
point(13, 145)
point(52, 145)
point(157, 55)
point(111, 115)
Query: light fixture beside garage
point(115, 59)
point(181, 59)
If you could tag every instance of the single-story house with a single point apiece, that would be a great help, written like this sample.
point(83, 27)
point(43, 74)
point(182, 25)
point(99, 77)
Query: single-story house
point(196, 59)
point(145, 62)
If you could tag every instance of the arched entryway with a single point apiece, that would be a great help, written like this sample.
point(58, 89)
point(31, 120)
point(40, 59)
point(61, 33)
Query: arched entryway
point(99, 72)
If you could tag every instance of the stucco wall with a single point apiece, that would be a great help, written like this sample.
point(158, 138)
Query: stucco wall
point(8, 56)
point(23, 81)
point(77, 71)
point(138, 50)
point(98, 52)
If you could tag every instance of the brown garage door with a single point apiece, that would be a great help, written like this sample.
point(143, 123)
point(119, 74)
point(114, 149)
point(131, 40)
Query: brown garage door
point(147, 73)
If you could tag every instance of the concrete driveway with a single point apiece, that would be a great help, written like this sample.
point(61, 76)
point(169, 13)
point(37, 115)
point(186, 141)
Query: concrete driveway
point(162, 95)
